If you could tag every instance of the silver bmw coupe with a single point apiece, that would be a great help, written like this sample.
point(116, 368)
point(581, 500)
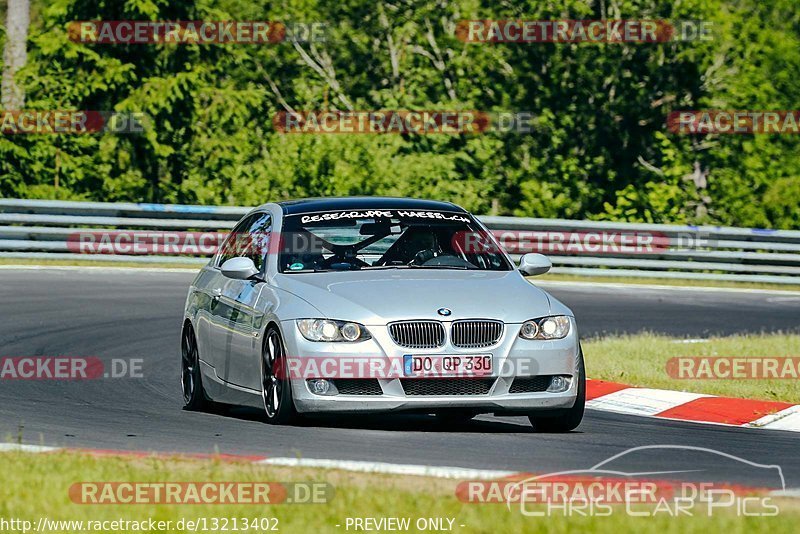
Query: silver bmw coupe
point(364, 304)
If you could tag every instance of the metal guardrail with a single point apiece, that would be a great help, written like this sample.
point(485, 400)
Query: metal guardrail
point(42, 229)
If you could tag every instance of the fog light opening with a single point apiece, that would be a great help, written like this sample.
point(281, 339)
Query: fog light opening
point(320, 386)
point(559, 384)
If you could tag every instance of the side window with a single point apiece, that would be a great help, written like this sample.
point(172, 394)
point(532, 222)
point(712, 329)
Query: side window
point(257, 242)
point(233, 243)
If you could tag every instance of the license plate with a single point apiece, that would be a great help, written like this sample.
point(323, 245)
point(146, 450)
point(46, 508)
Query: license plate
point(431, 365)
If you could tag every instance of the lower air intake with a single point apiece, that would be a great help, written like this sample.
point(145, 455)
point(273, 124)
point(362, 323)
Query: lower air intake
point(447, 386)
point(358, 386)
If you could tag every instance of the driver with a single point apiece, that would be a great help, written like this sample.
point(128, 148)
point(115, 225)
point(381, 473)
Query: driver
point(416, 245)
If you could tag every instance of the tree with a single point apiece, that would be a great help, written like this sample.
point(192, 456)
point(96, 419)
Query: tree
point(15, 54)
point(598, 147)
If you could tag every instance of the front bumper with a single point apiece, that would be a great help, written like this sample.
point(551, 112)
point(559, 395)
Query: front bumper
point(512, 357)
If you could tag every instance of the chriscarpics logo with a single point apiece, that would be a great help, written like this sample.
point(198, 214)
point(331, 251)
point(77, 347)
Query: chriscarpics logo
point(647, 481)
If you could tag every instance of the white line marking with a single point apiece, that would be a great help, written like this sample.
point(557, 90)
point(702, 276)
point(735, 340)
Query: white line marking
point(642, 401)
point(791, 492)
point(9, 447)
point(787, 419)
point(392, 469)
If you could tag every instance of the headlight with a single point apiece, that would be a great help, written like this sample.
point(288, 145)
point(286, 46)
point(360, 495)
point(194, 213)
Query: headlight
point(556, 327)
point(328, 330)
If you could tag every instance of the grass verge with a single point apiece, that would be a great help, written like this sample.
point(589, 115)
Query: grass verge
point(36, 485)
point(641, 360)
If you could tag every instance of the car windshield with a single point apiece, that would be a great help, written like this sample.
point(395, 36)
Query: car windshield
point(387, 239)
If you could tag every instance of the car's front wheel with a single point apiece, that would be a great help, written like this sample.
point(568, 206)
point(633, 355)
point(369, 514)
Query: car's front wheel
point(194, 397)
point(566, 419)
point(276, 388)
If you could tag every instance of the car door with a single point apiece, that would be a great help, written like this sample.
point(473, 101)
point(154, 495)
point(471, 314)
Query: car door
point(242, 365)
point(216, 310)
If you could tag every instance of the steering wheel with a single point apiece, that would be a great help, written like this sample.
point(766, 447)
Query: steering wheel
point(343, 255)
point(422, 257)
point(442, 260)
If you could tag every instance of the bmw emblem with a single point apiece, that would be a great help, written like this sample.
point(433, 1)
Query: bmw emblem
point(444, 312)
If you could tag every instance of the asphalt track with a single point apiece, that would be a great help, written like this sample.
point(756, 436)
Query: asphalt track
point(125, 314)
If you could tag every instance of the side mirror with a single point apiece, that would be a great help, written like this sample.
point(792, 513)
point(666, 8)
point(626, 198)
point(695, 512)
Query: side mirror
point(239, 268)
point(532, 264)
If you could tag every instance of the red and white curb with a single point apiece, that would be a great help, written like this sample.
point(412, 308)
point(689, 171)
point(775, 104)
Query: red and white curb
point(694, 407)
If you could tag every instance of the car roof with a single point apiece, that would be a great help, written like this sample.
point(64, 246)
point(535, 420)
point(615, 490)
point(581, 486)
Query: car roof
point(312, 205)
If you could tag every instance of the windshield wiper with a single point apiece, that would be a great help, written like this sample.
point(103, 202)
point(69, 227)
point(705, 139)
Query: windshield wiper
point(334, 270)
point(458, 267)
point(383, 267)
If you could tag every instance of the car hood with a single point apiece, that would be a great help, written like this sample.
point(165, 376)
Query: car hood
point(378, 297)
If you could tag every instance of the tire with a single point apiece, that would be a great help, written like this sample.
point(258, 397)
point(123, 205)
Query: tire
point(276, 388)
point(194, 396)
point(568, 419)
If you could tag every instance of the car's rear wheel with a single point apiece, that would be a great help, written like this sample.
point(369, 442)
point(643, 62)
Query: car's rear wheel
point(276, 388)
point(566, 419)
point(194, 396)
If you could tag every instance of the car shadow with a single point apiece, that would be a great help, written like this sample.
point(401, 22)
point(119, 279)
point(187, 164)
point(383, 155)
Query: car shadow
point(400, 422)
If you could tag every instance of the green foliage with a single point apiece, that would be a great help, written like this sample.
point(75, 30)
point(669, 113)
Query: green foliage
point(598, 147)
